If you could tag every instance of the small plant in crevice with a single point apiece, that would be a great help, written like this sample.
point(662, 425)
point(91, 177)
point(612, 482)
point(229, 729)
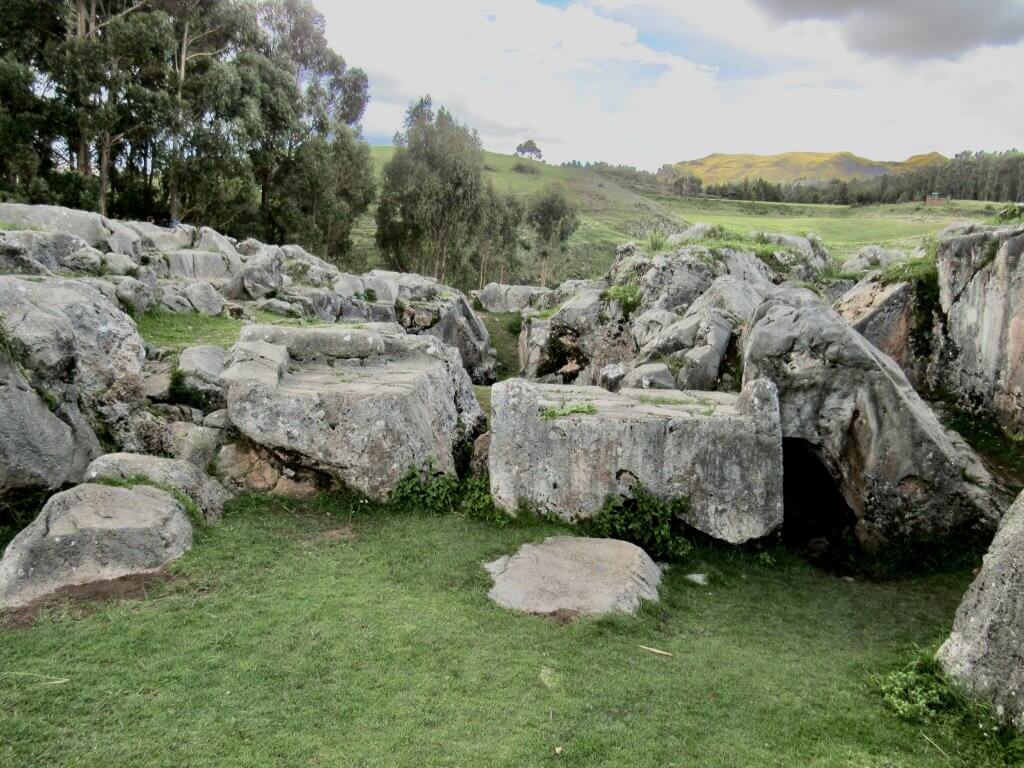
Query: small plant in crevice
point(180, 392)
point(628, 297)
point(370, 295)
point(653, 524)
point(552, 413)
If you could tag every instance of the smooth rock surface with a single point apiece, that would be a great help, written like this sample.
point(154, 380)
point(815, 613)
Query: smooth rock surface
point(723, 452)
point(983, 653)
point(182, 476)
point(574, 575)
point(93, 533)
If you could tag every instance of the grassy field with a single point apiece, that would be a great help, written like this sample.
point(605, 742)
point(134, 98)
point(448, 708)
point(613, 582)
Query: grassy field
point(611, 214)
point(326, 633)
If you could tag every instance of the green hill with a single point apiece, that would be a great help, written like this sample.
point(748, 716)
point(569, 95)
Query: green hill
point(613, 212)
point(798, 166)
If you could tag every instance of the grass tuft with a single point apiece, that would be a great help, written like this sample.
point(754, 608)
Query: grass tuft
point(583, 409)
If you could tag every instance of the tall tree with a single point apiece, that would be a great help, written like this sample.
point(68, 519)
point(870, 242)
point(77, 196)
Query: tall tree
point(529, 148)
point(432, 195)
point(554, 219)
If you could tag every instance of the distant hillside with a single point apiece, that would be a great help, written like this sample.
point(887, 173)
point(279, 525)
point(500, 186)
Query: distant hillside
point(798, 166)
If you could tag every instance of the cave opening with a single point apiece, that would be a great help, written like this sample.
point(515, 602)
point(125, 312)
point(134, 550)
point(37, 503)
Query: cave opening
point(818, 524)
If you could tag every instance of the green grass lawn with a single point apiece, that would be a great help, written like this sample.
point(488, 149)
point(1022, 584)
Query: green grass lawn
point(276, 645)
point(611, 213)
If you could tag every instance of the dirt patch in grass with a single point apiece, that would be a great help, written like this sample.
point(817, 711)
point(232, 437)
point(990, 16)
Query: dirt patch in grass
point(131, 587)
point(346, 532)
point(562, 616)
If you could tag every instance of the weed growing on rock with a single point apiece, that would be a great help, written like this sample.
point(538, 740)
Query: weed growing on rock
point(628, 297)
point(550, 414)
point(651, 523)
point(439, 495)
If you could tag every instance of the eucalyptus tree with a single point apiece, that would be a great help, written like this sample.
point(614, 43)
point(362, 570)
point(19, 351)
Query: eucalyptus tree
point(554, 219)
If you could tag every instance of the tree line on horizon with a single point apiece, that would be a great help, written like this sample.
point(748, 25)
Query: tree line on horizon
point(992, 176)
point(239, 115)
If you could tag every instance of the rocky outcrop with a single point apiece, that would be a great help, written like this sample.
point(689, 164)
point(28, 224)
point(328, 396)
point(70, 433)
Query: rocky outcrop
point(43, 444)
point(363, 407)
point(873, 257)
point(891, 316)
point(65, 332)
point(92, 533)
point(981, 292)
point(97, 231)
point(496, 297)
point(197, 377)
point(905, 478)
point(566, 449)
point(983, 653)
point(570, 575)
point(182, 476)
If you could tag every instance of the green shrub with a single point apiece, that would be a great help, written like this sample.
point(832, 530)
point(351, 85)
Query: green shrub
point(370, 295)
point(628, 297)
point(526, 168)
point(551, 414)
point(181, 393)
point(649, 522)
point(428, 492)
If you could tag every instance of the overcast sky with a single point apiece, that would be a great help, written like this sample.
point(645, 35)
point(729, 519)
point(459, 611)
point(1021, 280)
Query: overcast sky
point(645, 82)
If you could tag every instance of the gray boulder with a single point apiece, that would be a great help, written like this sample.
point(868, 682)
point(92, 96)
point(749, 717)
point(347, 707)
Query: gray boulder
point(904, 477)
point(198, 375)
point(198, 265)
point(565, 449)
point(93, 533)
point(40, 447)
point(65, 332)
point(361, 406)
point(873, 257)
point(182, 476)
point(97, 231)
point(157, 238)
point(983, 653)
point(211, 240)
point(43, 253)
point(648, 376)
point(569, 575)
point(261, 276)
point(888, 315)
point(981, 293)
point(191, 442)
point(496, 297)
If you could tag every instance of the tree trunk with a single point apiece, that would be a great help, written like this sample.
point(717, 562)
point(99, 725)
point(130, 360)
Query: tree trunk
point(483, 261)
point(105, 142)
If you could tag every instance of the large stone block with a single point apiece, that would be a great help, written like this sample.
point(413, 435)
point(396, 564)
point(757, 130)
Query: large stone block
point(361, 406)
point(721, 451)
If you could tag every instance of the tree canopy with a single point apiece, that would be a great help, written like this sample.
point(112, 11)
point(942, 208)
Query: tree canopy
point(232, 113)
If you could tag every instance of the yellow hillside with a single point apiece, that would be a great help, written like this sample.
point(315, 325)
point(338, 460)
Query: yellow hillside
point(798, 166)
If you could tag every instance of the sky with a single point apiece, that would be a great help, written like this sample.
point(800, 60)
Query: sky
point(648, 82)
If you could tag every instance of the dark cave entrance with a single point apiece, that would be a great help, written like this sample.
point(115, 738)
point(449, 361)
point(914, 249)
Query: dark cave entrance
point(818, 523)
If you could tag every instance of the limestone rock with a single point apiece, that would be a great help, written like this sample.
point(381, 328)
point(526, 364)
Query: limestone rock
point(571, 575)
point(66, 333)
point(92, 533)
point(983, 652)
point(97, 231)
point(198, 372)
point(361, 406)
point(42, 253)
point(723, 452)
point(905, 478)
point(39, 447)
point(496, 297)
point(182, 476)
point(193, 443)
point(981, 292)
point(873, 257)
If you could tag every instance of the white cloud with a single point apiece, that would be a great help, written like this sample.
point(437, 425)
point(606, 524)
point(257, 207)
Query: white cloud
point(583, 84)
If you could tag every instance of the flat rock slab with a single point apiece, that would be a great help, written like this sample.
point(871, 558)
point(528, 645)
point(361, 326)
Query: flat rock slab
point(93, 533)
point(574, 575)
point(565, 449)
point(361, 406)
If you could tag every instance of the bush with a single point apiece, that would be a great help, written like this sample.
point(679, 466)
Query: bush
point(525, 168)
point(657, 241)
point(649, 522)
point(435, 494)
